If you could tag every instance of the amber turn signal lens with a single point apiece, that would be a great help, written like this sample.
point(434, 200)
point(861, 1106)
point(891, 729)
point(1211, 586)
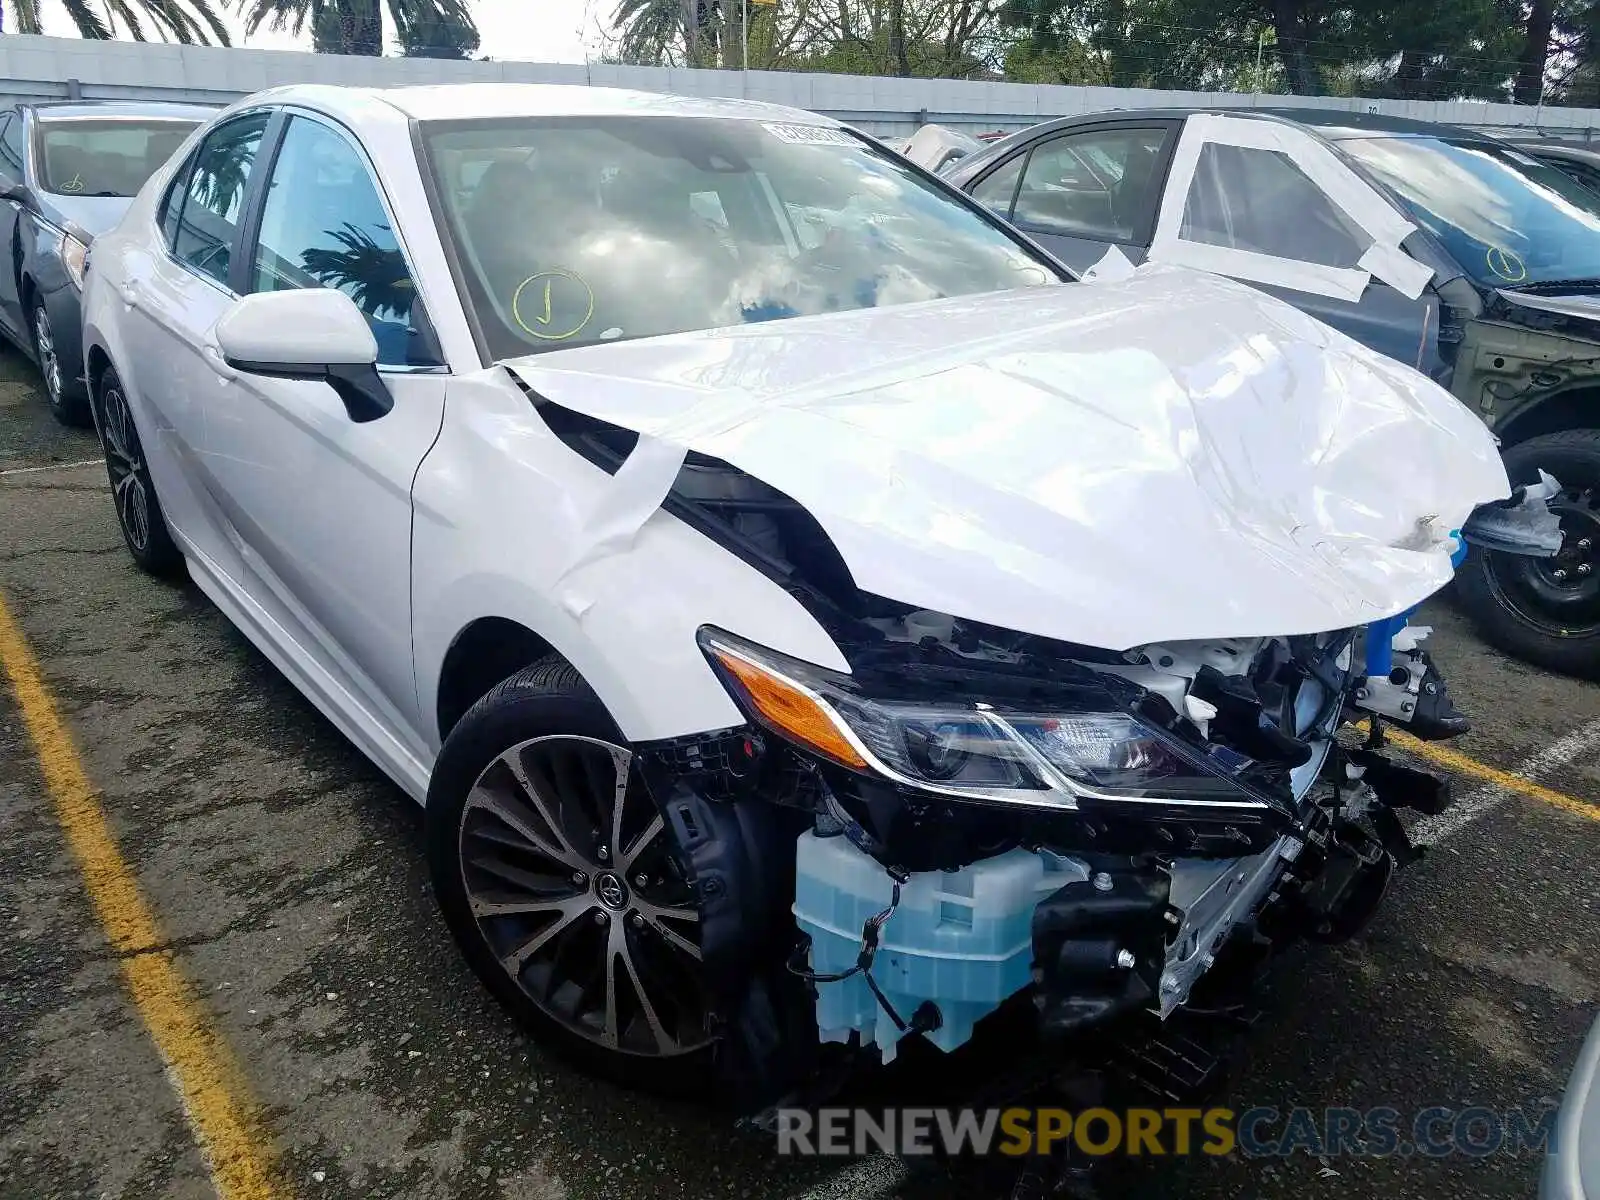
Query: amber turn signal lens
point(790, 710)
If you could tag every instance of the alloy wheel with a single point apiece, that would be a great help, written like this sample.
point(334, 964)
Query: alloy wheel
point(49, 361)
point(569, 875)
point(1559, 595)
point(125, 461)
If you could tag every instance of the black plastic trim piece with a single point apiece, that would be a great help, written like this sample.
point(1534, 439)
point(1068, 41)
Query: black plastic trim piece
point(359, 385)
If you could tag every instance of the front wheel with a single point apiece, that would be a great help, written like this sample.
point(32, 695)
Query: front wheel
point(563, 885)
point(1546, 610)
point(67, 407)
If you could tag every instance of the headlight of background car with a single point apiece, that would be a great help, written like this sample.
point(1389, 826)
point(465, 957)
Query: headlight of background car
point(75, 258)
point(968, 749)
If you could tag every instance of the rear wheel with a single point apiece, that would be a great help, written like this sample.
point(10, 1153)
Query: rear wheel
point(1546, 610)
point(562, 883)
point(144, 527)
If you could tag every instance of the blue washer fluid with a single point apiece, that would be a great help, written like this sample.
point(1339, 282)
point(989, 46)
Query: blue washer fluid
point(962, 939)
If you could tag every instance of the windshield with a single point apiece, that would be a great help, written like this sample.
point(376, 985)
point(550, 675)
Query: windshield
point(105, 156)
point(576, 230)
point(1508, 219)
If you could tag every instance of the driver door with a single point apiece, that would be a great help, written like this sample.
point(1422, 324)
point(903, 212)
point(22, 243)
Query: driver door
point(319, 505)
point(1081, 192)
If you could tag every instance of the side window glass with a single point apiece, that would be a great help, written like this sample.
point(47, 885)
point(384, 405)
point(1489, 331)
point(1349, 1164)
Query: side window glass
point(998, 187)
point(1584, 174)
point(11, 148)
point(172, 205)
point(214, 196)
point(1260, 201)
point(324, 225)
point(1096, 185)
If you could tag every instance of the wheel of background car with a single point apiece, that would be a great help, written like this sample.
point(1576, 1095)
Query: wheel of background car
point(69, 410)
point(1547, 611)
point(563, 884)
point(144, 526)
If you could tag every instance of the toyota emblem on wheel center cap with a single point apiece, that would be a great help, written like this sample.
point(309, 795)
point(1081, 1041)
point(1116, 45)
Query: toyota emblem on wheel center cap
point(612, 891)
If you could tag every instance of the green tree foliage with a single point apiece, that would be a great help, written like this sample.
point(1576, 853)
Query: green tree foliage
point(1528, 50)
point(189, 21)
point(939, 38)
point(358, 26)
point(1412, 48)
point(430, 33)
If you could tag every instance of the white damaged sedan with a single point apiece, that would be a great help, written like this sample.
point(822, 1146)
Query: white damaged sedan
point(810, 618)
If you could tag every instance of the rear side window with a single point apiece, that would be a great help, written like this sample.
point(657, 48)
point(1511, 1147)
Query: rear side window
point(203, 231)
point(172, 205)
point(1259, 201)
point(324, 225)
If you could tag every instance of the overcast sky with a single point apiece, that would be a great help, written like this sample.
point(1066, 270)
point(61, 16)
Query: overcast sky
point(509, 28)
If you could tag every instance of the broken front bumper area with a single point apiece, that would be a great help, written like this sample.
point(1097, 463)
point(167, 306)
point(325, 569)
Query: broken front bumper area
point(1140, 934)
point(848, 915)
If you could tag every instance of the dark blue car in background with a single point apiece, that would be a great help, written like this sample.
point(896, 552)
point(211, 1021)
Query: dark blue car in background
point(67, 174)
point(1454, 252)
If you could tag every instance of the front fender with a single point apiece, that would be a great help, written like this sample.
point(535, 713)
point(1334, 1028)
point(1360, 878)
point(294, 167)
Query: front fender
point(508, 524)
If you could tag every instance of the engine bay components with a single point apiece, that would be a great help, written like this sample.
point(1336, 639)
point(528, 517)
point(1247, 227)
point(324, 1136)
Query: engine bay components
point(952, 947)
point(975, 815)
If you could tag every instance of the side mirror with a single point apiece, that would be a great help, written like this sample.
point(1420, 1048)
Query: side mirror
point(17, 192)
point(312, 334)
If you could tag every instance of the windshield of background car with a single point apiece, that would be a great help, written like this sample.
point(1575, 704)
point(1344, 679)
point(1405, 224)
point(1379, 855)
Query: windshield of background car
point(571, 231)
point(105, 156)
point(1507, 218)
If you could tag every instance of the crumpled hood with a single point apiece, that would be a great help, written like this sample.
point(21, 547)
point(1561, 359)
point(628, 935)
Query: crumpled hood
point(1168, 457)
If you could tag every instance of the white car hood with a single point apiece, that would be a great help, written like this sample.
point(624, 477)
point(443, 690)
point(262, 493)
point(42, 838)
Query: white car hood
point(1169, 457)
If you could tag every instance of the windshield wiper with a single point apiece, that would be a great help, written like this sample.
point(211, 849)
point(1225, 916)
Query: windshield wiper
point(1553, 285)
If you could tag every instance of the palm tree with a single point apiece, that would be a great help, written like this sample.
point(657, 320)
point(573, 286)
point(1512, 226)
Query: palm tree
point(374, 276)
point(657, 32)
point(355, 26)
point(172, 20)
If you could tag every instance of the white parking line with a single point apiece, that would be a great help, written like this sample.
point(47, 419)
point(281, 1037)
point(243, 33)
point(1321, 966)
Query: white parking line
point(1481, 801)
point(862, 1179)
point(88, 462)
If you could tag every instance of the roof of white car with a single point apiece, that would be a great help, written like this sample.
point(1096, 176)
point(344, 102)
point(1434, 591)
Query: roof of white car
point(466, 101)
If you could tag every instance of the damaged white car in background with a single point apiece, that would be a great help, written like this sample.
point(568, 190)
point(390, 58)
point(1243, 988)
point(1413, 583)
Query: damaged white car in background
point(801, 644)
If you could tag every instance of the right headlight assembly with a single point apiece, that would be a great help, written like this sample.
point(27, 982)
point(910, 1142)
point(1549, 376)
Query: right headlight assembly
point(971, 749)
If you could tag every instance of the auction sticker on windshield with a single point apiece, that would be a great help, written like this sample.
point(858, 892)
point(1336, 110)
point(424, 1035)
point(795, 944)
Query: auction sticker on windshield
point(813, 135)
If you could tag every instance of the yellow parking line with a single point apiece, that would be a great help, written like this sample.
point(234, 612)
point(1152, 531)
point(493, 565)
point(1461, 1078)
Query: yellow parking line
point(1444, 756)
point(224, 1118)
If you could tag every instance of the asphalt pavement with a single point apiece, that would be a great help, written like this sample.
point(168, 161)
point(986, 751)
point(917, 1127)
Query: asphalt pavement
point(288, 878)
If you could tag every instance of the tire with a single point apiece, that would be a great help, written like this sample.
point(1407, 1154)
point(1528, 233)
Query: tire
point(1546, 611)
point(139, 515)
point(491, 850)
point(67, 407)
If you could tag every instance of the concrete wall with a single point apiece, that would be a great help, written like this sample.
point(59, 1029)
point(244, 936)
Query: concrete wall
point(40, 68)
